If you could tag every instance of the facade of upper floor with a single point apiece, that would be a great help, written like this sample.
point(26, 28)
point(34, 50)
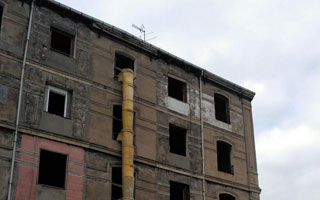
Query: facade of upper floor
point(71, 90)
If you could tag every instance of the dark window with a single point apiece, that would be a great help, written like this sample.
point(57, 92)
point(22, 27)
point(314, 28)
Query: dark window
point(177, 140)
point(117, 121)
point(177, 89)
point(116, 190)
point(226, 197)
point(52, 168)
point(221, 105)
point(122, 62)
point(224, 157)
point(1, 12)
point(57, 101)
point(62, 42)
point(179, 191)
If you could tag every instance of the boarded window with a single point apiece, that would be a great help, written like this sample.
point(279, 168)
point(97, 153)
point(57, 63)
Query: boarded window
point(52, 168)
point(221, 105)
point(116, 190)
point(177, 140)
point(226, 197)
point(122, 62)
point(62, 42)
point(57, 101)
point(177, 89)
point(179, 191)
point(224, 157)
point(117, 121)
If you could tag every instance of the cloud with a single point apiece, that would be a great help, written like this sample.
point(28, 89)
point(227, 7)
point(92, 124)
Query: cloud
point(288, 162)
point(283, 144)
point(271, 47)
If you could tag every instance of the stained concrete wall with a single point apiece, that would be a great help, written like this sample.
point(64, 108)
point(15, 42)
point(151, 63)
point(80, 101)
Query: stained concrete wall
point(14, 24)
point(12, 37)
point(89, 78)
point(5, 157)
point(150, 183)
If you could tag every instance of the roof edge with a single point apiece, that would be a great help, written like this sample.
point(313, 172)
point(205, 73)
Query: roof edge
point(151, 49)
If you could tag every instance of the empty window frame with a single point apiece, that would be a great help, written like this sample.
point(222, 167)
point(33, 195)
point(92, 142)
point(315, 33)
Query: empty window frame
point(122, 62)
point(221, 104)
point(62, 42)
point(57, 101)
point(177, 89)
point(224, 155)
point(177, 140)
point(226, 197)
point(52, 168)
point(179, 191)
point(116, 190)
point(116, 121)
point(1, 13)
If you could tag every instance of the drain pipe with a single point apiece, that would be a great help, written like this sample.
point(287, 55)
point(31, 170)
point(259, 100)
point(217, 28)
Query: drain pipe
point(126, 135)
point(202, 138)
point(19, 102)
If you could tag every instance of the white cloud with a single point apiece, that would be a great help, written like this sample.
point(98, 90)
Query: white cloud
point(288, 162)
point(269, 46)
point(283, 144)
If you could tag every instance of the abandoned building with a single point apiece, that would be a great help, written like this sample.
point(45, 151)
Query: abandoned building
point(89, 111)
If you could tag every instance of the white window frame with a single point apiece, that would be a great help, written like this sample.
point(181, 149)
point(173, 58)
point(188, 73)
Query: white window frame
point(58, 91)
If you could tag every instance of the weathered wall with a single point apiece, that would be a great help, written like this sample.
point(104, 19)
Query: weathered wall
point(89, 77)
point(235, 108)
point(26, 186)
point(5, 157)
point(14, 24)
point(185, 115)
point(215, 189)
point(12, 39)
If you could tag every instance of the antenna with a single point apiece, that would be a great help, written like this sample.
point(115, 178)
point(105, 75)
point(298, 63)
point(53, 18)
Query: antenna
point(141, 29)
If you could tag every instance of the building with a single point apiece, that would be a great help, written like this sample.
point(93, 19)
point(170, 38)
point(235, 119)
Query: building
point(61, 114)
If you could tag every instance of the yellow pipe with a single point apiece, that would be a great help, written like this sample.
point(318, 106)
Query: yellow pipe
point(126, 135)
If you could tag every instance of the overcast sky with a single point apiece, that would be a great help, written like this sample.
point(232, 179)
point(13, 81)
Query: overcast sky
point(269, 46)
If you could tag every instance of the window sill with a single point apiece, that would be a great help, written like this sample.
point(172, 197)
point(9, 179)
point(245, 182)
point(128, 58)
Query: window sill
point(230, 173)
point(178, 106)
point(62, 53)
point(51, 186)
point(179, 161)
point(222, 125)
point(56, 124)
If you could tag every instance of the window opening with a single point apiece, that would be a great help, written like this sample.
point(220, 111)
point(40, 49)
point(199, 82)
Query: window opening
point(62, 42)
point(177, 140)
point(52, 168)
point(117, 121)
point(116, 190)
point(177, 89)
point(57, 100)
point(221, 104)
point(226, 197)
point(122, 62)
point(224, 157)
point(179, 191)
point(1, 12)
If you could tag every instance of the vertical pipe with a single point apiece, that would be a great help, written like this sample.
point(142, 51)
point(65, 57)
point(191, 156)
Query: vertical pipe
point(202, 138)
point(126, 135)
point(19, 102)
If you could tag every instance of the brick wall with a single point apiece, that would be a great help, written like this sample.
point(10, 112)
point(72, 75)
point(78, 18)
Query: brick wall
point(28, 166)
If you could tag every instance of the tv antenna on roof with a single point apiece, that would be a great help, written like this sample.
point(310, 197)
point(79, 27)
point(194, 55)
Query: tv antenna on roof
point(141, 29)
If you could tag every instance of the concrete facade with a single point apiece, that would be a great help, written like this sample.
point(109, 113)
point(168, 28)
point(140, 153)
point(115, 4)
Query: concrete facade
point(85, 134)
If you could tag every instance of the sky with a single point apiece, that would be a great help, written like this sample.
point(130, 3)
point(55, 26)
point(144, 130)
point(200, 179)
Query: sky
point(271, 47)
